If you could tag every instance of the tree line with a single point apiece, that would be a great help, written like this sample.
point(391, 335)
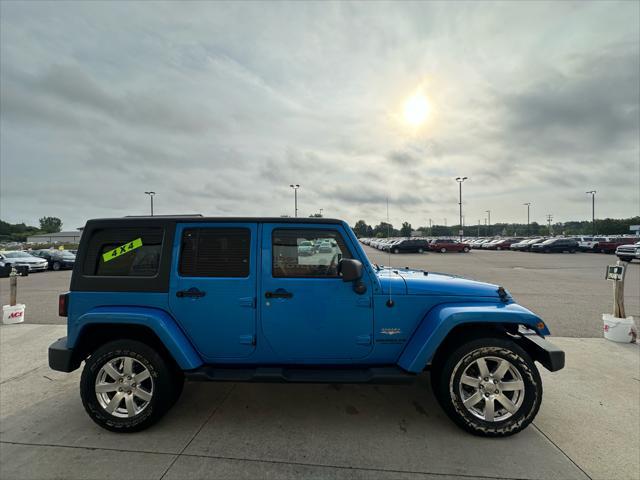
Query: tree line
point(18, 232)
point(607, 226)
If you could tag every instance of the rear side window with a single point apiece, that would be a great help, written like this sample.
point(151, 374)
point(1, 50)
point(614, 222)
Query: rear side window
point(124, 252)
point(215, 252)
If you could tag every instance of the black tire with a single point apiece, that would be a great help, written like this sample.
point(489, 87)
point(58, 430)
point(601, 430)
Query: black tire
point(395, 250)
point(446, 386)
point(56, 266)
point(573, 250)
point(167, 385)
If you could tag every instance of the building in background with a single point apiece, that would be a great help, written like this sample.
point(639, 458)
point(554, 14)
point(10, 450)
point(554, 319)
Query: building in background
point(59, 237)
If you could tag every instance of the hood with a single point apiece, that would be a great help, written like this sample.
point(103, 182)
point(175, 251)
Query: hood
point(418, 282)
point(25, 260)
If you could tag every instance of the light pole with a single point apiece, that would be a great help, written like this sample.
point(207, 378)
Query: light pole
point(460, 180)
point(489, 224)
point(593, 208)
point(295, 196)
point(151, 194)
point(528, 204)
point(430, 229)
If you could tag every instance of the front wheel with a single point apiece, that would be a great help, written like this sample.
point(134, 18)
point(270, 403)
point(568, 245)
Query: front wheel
point(126, 386)
point(420, 250)
point(395, 250)
point(56, 266)
point(489, 387)
point(443, 250)
point(465, 249)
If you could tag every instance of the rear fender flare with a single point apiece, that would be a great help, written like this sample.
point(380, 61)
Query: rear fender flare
point(440, 320)
point(159, 321)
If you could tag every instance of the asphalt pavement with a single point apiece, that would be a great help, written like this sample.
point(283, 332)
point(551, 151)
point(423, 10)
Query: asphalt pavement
point(587, 426)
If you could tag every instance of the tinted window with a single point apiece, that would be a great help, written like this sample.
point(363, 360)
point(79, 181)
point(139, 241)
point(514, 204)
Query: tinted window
point(137, 252)
point(215, 252)
point(289, 260)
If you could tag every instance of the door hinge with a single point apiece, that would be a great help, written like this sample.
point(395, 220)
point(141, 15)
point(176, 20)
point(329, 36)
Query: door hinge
point(364, 302)
point(247, 339)
point(247, 302)
point(363, 339)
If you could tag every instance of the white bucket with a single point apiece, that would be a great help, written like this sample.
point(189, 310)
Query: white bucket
point(621, 330)
point(13, 313)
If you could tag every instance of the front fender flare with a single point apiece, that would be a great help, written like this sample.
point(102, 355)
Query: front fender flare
point(440, 320)
point(159, 321)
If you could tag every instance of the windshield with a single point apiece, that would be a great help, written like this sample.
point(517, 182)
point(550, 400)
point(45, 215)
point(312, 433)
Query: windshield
point(547, 242)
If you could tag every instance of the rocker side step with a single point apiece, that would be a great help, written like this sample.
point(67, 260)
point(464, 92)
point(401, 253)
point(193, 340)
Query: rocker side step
point(380, 375)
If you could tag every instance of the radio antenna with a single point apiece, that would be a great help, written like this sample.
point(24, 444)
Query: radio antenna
point(389, 302)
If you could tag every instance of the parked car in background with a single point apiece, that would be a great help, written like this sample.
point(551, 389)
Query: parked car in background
point(22, 259)
point(408, 245)
point(480, 242)
point(585, 243)
point(501, 244)
point(306, 249)
point(444, 245)
point(57, 259)
point(556, 245)
point(629, 252)
point(525, 245)
point(610, 245)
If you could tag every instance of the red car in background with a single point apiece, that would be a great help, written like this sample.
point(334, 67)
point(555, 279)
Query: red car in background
point(444, 245)
point(613, 243)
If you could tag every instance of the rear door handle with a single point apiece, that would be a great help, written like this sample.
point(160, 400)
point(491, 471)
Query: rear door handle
point(193, 292)
point(280, 293)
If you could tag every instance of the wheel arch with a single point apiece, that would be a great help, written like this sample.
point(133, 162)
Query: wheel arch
point(151, 326)
point(448, 324)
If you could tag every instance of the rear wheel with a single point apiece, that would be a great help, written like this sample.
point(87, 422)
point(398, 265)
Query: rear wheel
point(443, 250)
point(420, 250)
point(489, 387)
point(56, 266)
point(465, 249)
point(127, 386)
point(395, 250)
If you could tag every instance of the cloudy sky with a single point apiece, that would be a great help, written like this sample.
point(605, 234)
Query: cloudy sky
point(218, 107)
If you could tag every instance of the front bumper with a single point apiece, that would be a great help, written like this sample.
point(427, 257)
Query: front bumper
point(62, 358)
point(543, 351)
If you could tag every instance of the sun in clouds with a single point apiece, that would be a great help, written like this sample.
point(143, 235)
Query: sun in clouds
point(416, 109)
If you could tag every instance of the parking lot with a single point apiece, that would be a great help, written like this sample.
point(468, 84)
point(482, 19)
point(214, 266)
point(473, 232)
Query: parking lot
point(587, 426)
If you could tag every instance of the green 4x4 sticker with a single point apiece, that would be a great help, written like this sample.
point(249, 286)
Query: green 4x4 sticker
point(121, 250)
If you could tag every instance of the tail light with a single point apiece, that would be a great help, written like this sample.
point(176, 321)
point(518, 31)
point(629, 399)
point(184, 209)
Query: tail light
point(63, 305)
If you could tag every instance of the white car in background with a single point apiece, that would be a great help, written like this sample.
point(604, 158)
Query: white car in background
point(23, 259)
point(585, 243)
point(629, 253)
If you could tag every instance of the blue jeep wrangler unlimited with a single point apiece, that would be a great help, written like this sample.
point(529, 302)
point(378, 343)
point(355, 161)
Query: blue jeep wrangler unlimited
point(155, 300)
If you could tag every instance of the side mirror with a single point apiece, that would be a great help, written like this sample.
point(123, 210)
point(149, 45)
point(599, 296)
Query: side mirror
point(351, 269)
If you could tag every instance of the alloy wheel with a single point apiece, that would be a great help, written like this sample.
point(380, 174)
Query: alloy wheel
point(124, 387)
point(491, 389)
